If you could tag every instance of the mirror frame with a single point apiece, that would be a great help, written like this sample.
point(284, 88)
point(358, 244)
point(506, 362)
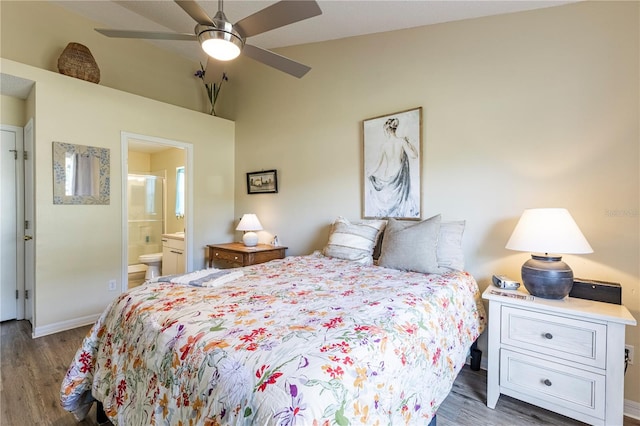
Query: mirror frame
point(60, 149)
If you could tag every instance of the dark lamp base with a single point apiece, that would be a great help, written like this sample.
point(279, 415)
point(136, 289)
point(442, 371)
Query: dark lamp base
point(547, 276)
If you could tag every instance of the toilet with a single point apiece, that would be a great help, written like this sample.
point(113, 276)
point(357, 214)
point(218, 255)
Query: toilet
point(153, 262)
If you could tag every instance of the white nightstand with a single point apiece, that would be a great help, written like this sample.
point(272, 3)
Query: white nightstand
point(563, 355)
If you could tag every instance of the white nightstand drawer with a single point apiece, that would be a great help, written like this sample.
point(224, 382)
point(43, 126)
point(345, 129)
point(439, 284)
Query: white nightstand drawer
point(574, 340)
point(557, 384)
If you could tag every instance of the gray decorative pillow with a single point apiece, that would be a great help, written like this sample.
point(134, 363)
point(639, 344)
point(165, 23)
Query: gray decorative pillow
point(449, 251)
point(353, 241)
point(411, 246)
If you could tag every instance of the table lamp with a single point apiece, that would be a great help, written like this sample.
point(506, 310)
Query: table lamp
point(545, 231)
point(249, 224)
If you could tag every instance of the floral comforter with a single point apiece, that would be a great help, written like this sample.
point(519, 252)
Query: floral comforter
point(305, 340)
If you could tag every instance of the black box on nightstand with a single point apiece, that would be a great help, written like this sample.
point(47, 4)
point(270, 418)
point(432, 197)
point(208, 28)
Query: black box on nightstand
point(600, 291)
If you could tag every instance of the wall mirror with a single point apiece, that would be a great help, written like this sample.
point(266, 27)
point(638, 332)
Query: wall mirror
point(80, 174)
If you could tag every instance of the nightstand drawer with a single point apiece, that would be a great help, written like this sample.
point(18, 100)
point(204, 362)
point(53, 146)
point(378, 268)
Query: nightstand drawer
point(574, 340)
point(562, 386)
point(237, 254)
point(228, 256)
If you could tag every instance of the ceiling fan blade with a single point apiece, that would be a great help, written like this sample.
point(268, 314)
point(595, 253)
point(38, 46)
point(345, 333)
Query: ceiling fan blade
point(276, 61)
point(277, 15)
point(214, 71)
point(194, 10)
point(152, 35)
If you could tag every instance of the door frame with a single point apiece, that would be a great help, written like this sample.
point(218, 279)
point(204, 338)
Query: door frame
point(188, 214)
point(30, 217)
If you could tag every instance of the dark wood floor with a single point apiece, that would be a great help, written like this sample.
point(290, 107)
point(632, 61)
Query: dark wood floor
point(32, 370)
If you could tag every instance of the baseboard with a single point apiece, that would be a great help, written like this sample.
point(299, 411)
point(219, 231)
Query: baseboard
point(632, 409)
point(64, 325)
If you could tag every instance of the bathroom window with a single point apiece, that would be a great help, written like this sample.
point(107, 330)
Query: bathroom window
point(180, 192)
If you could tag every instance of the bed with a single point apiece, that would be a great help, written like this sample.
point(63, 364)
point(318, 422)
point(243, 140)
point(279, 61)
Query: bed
point(307, 340)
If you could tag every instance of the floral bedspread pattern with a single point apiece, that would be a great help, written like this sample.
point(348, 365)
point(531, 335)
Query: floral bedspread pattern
point(304, 340)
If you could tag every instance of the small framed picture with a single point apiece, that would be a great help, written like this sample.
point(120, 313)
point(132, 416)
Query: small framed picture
point(264, 182)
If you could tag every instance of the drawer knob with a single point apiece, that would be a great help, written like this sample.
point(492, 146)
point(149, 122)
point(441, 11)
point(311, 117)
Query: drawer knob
point(548, 336)
point(547, 382)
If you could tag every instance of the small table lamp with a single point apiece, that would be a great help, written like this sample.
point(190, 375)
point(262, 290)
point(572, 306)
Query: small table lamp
point(249, 224)
point(547, 231)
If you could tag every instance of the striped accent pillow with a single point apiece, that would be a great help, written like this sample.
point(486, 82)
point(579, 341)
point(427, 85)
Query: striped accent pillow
point(354, 241)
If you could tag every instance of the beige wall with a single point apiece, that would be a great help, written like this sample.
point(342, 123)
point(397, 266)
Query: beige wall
point(523, 110)
point(168, 161)
point(534, 109)
point(36, 33)
point(12, 111)
point(139, 162)
point(79, 248)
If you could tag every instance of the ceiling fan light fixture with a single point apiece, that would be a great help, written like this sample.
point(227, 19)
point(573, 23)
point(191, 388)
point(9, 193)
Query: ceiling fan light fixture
point(223, 44)
point(224, 41)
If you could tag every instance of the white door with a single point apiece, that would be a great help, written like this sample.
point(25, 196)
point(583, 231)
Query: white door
point(11, 149)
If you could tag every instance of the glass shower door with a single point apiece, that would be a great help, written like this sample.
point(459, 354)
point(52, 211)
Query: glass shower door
point(145, 215)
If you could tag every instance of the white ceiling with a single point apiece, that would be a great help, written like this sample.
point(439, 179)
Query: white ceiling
point(17, 87)
point(340, 18)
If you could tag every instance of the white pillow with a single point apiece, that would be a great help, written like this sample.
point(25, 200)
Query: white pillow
point(449, 250)
point(353, 241)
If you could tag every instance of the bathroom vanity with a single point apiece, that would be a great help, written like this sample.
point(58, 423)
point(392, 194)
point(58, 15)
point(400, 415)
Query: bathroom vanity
point(173, 257)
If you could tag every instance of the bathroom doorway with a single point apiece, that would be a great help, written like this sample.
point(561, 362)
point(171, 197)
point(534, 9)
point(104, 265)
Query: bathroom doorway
point(151, 191)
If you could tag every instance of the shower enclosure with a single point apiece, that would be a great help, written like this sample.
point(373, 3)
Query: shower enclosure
point(145, 202)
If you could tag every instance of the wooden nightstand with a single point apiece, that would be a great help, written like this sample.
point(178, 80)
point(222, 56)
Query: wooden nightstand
point(237, 254)
point(563, 355)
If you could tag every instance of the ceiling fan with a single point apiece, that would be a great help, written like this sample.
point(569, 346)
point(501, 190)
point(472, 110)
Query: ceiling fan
point(223, 41)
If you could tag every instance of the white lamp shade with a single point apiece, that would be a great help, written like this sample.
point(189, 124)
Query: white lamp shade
point(548, 231)
point(249, 222)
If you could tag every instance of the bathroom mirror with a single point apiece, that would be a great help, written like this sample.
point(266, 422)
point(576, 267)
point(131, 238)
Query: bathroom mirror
point(80, 174)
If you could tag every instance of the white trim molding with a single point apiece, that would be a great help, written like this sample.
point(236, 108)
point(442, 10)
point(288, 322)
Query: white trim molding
point(64, 325)
point(632, 409)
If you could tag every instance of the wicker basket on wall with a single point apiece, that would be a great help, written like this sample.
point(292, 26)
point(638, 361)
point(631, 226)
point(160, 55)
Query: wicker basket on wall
point(77, 61)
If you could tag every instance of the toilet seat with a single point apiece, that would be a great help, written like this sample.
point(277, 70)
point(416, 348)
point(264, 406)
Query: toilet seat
point(151, 257)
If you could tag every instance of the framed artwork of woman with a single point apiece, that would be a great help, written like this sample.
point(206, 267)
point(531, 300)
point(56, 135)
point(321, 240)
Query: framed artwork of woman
point(392, 165)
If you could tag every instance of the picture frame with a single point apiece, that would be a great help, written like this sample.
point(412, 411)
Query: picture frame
point(263, 182)
point(81, 174)
point(392, 165)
